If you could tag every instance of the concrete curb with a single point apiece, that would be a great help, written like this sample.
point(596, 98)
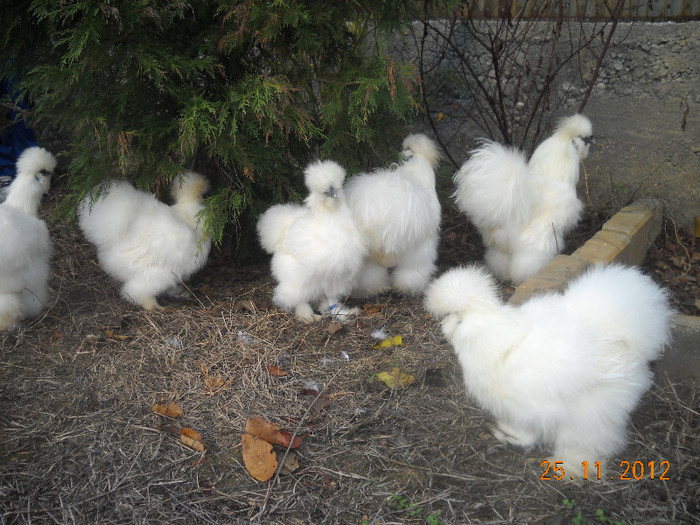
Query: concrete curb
point(625, 239)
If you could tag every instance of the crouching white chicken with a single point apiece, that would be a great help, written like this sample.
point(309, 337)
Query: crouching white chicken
point(25, 245)
point(563, 370)
point(142, 242)
point(316, 248)
point(398, 213)
point(523, 210)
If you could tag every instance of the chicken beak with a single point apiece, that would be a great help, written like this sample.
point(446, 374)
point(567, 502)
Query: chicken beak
point(589, 140)
point(331, 192)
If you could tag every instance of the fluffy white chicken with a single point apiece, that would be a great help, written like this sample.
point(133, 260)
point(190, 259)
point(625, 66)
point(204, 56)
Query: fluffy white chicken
point(398, 213)
point(316, 248)
point(523, 210)
point(142, 242)
point(563, 370)
point(25, 245)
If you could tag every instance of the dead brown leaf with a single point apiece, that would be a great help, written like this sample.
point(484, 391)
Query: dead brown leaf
point(213, 384)
point(245, 305)
point(275, 371)
point(258, 457)
point(334, 327)
point(319, 403)
point(173, 430)
point(270, 432)
point(372, 309)
point(291, 463)
point(192, 438)
point(169, 410)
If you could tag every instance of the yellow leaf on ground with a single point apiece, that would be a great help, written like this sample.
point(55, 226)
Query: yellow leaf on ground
point(169, 410)
point(192, 438)
point(110, 334)
point(397, 340)
point(396, 378)
point(259, 459)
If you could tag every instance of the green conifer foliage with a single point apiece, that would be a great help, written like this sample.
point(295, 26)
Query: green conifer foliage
point(244, 91)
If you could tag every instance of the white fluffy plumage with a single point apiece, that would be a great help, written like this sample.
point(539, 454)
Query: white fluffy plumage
point(25, 245)
point(316, 248)
point(398, 213)
point(523, 210)
point(563, 370)
point(143, 243)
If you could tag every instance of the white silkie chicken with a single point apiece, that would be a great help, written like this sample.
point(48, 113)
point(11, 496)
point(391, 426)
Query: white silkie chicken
point(142, 242)
point(398, 213)
point(25, 245)
point(523, 210)
point(316, 248)
point(564, 370)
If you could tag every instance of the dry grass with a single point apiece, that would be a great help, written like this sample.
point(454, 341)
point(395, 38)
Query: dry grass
point(80, 444)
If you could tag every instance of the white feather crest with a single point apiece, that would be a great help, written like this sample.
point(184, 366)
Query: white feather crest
point(421, 144)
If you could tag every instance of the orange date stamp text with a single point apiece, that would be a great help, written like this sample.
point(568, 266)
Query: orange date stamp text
point(630, 470)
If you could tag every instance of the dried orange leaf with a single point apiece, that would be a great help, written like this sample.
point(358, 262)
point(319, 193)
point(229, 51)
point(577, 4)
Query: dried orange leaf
point(215, 384)
point(270, 432)
point(260, 428)
point(258, 457)
point(371, 309)
point(169, 410)
point(275, 371)
point(396, 378)
point(285, 439)
point(192, 438)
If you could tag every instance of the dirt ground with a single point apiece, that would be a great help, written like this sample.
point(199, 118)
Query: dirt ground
point(79, 442)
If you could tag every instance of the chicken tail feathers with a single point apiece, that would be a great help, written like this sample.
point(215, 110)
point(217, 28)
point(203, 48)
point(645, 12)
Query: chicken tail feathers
point(634, 309)
point(272, 225)
point(460, 290)
point(492, 186)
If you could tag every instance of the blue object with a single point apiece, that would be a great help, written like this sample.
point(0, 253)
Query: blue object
point(15, 138)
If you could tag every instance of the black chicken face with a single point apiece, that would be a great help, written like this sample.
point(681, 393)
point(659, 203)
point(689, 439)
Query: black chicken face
point(582, 145)
point(331, 192)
